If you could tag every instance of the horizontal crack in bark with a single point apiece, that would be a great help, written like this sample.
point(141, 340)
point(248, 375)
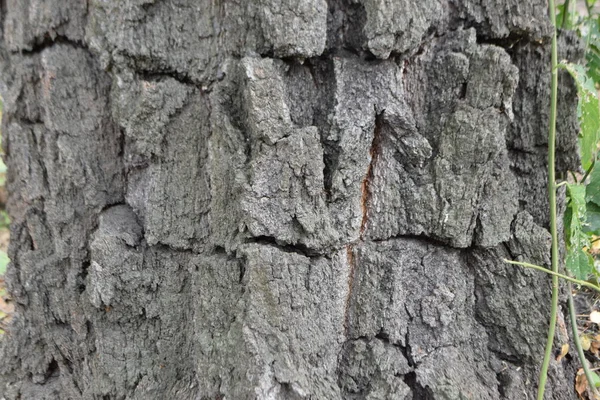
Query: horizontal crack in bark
point(48, 42)
point(297, 248)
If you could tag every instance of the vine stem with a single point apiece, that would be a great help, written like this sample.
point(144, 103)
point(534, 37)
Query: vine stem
point(552, 203)
point(556, 274)
point(567, 13)
point(584, 363)
point(576, 341)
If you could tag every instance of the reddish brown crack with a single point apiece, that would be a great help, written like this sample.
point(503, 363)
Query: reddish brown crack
point(366, 194)
point(365, 200)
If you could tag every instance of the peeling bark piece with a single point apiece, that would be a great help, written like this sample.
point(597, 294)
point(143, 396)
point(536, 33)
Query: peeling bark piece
point(194, 40)
point(168, 155)
point(456, 289)
point(144, 108)
point(294, 29)
point(294, 312)
point(373, 369)
point(282, 194)
point(461, 151)
point(501, 19)
point(398, 26)
point(111, 260)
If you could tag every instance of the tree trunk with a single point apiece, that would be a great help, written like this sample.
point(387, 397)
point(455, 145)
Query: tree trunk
point(279, 199)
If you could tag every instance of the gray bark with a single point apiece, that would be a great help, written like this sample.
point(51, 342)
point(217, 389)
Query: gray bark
point(276, 199)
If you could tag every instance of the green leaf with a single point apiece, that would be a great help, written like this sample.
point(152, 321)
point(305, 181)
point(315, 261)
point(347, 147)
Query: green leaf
point(4, 260)
point(592, 57)
point(566, 19)
point(592, 223)
point(579, 263)
point(4, 220)
point(567, 224)
point(588, 112)
point(590, 31)
point(577, 205)
point(560, 15)
point(592, 192)
point(595, 379)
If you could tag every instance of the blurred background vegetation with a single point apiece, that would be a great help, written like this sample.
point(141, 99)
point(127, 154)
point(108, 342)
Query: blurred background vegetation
point(6, 306)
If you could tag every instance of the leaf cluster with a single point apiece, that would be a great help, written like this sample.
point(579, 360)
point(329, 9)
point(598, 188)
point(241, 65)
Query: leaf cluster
point(582, 216)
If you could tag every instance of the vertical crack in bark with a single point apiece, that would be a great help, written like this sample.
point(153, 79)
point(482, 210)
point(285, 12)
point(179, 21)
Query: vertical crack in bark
point(351, 273)
point(366, 194)
point(419, 392)
point(365, 200)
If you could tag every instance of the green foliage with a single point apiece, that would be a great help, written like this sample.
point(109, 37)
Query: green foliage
point(579, 262)
point(595, 380)
point(592, 54)
point(582, 217)
point(564, 18)
point(4, 260)
point(592, 226)
point(5, 308)
point(592, 193)
point(588, 112)
point(587, 27)
point(4, 219)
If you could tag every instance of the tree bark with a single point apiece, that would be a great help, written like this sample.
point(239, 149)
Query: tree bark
point(276, 199)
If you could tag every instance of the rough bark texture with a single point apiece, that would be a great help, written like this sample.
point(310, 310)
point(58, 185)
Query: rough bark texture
point(278, 199)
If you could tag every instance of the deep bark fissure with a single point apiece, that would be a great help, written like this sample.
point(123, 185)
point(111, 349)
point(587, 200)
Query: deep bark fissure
point(49, 41)
point(365, 198)
point(419, 392)
point(297, 248)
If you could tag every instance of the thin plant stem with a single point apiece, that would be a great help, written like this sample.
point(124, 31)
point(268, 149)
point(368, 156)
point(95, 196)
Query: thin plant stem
point(574, 176)
point(552, 203)
point(572, 12)
point(577, 342)
point(589, 33)
point(589, 170)
point(567, 14)
point(555, 274)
